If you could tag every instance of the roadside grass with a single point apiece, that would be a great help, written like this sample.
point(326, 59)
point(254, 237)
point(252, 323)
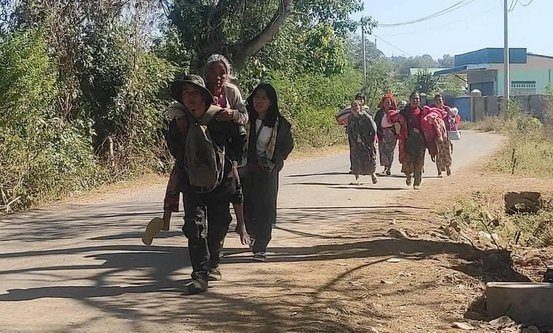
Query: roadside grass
point(527, 154)
point(481, 216)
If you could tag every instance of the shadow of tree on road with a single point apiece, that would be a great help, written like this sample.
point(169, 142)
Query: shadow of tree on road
point(150, 276)
point(137, 283)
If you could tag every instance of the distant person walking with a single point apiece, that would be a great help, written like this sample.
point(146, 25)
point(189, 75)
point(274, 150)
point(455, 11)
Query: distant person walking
point(270, 143)
point(412, 143)
point(386, 133)
point(361, 139)
point(444, 146)
point(437, 143)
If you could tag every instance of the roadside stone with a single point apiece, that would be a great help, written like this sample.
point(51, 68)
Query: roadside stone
point(525, 302)
point(502, 322)
point(397, 233)
point(464, 326)
point(522, 202)
point(531, 329)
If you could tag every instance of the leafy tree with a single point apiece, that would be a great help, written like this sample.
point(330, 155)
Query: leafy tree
point(380, 80)
point(452, 85)
point(403, 64)
point(446, 61)
point(240, 29)
point(425, 82)
point(355, 48)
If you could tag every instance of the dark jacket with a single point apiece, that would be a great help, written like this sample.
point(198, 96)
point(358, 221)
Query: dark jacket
point(283, 147)
point(362, 126)
point(378, 120)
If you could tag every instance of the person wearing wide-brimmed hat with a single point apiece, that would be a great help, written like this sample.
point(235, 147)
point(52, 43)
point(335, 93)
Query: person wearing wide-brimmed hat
point(206, 212)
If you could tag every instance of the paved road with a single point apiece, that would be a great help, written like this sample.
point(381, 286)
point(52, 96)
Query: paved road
point(82, 267)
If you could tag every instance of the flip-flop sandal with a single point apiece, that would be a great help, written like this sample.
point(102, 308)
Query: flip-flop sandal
point(152, 229)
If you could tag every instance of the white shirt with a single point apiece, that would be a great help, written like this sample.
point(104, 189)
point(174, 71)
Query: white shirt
point(262, 138)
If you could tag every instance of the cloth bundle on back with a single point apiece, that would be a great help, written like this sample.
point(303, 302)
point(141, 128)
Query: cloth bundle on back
point(436, 135)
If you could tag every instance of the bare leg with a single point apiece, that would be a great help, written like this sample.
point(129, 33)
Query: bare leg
point(240, 223)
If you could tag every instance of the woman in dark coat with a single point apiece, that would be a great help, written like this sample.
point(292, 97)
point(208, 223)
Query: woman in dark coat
point(361, 138)
point(270, 143)
point(386, 133)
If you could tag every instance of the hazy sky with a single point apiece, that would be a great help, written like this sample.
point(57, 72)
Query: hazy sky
point(475, 25)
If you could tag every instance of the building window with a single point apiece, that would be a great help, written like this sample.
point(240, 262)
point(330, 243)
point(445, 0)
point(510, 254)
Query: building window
point(523, 87)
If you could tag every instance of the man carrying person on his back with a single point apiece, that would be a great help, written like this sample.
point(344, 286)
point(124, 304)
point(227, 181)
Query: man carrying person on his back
point(204, 158)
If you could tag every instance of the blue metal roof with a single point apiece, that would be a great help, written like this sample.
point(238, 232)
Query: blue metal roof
point(491, 56)
point(461, 69)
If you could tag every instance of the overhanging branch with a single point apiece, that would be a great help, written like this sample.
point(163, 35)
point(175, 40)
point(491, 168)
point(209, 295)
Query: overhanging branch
point(244, 50)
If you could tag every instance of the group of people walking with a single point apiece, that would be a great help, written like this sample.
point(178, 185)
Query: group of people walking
point(226, 150)
point(414, 129)
point(230, 151)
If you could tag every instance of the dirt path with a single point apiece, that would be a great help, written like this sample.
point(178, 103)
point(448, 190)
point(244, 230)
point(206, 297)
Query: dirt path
point(82, 267)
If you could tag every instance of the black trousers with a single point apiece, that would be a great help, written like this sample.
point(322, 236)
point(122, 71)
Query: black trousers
point(260, 201)
point(206, 222)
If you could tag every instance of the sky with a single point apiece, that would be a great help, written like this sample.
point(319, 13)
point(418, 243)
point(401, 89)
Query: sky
point(475, 24)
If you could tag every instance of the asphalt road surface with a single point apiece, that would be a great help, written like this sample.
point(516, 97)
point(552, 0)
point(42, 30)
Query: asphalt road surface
point(82, 267)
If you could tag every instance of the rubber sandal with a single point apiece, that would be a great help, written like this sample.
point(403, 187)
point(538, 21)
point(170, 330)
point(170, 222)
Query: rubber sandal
point(152, 229)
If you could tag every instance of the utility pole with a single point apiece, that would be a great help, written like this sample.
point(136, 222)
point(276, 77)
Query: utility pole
point(364, 55)
point(506, 78)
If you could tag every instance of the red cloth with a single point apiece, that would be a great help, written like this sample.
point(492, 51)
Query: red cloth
point(433, 128)
point(397, 117)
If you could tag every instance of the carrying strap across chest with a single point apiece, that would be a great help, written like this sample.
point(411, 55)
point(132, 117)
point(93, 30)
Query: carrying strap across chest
point(208, 115)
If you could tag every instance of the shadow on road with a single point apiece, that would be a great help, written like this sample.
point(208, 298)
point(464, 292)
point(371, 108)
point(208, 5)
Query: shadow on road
point(217, 309)
point(138, 283)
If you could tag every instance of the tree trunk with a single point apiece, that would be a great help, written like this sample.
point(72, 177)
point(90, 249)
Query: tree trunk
point(242, 51)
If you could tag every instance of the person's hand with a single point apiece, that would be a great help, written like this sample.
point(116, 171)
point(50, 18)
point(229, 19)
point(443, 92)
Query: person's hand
point(241, 231)
point(416, 130)
point(225, 114)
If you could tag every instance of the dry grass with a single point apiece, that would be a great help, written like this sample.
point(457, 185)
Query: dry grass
point(528, 153)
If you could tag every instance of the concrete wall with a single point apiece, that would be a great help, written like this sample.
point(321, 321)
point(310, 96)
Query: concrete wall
point(490, 106)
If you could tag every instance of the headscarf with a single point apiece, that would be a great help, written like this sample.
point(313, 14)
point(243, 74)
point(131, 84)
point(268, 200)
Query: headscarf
point(390, 96)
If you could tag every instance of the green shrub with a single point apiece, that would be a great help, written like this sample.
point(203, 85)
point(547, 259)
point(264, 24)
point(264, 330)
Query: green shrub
point(311, 101)
point(40, 153)
point(121, 96)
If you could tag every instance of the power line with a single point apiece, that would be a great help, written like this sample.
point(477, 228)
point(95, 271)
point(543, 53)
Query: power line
point(527, 4)
point(392, 45)
point(449, 9)
point(442, 25)
point(513, 5)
